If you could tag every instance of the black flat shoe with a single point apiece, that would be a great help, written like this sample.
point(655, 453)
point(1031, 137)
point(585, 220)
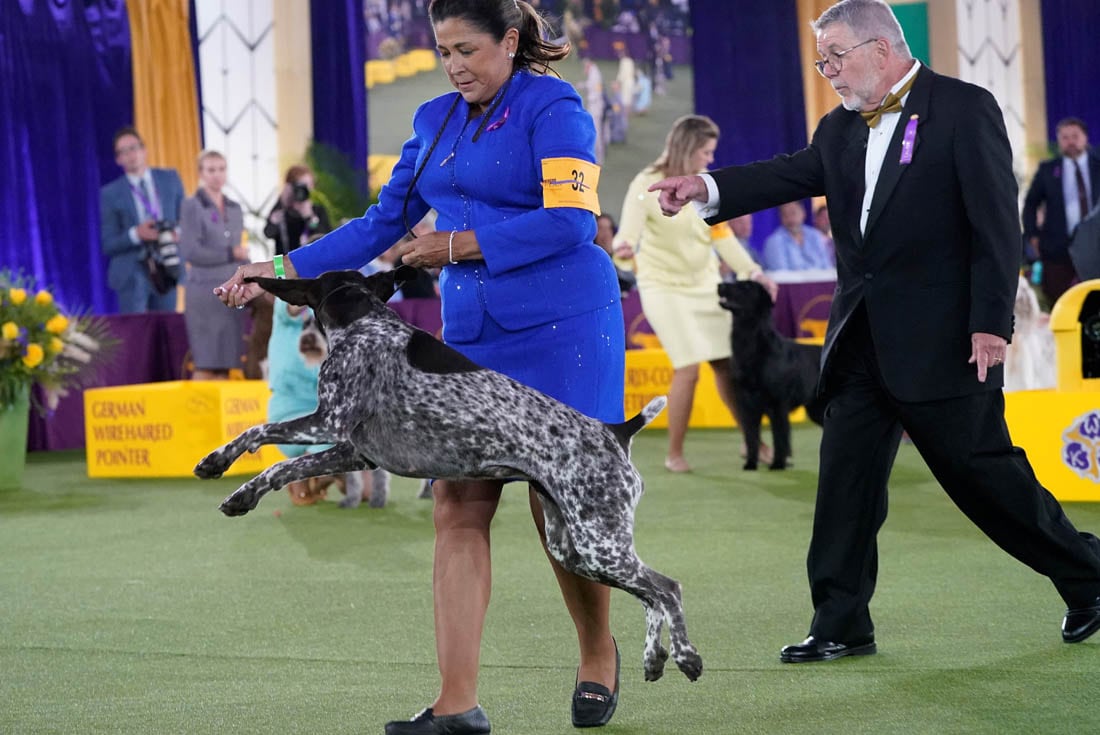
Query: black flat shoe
point(1081, 622)
point(812, 649)
point(471, 722)
point(593, 704)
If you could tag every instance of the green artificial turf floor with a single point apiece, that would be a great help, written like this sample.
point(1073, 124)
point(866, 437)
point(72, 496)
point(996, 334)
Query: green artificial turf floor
point(135, 607)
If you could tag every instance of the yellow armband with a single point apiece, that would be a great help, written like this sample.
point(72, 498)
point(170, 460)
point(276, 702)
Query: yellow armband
point(720, 231)
point(570, 182)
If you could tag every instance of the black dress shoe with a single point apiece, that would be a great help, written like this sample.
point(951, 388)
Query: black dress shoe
point(593, 704)
point(471, 722)
point(1081, 622)
point(812, 649)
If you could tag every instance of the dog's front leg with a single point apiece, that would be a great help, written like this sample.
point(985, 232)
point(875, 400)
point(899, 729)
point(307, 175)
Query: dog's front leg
point(751, 428)
point(781, 436)
point(337, 460)
point(311, 429)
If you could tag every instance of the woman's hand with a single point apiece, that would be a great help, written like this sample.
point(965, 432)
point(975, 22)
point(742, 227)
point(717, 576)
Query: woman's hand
point(236, 293)
point(769, 285)
point(436, 249)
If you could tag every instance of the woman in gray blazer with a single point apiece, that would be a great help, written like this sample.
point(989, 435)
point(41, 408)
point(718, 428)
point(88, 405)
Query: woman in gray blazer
point(210, 241)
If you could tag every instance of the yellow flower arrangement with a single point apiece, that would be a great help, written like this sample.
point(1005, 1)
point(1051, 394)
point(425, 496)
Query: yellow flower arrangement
point(39, 345)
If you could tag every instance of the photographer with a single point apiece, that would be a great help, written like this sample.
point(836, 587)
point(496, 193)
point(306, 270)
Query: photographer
point(138, 215)
point(210, 240)
point(296, 219)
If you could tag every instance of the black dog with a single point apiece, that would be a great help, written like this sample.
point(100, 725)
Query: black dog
point(772, 375)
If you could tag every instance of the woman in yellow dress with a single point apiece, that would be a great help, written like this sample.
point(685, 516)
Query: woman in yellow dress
point(678, 277)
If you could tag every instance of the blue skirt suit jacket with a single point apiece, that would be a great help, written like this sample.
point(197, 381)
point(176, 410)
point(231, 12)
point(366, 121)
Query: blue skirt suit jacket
point(543, 304)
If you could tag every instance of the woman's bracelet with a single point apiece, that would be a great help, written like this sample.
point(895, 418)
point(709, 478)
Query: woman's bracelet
point(451, 248)
point(277, 264)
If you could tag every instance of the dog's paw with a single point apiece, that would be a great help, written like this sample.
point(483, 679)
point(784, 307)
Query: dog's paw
point(377, 500)
point(779, 464)
point(350, 502)
point(239, 502)
point(212, 466)
point(655, 665)
point(691, 663)
point(749, 466)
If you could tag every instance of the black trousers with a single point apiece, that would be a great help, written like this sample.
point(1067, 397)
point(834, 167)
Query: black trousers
point(965, 443)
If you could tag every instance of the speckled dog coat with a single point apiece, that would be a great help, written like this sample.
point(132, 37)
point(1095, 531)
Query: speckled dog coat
point(393, 396)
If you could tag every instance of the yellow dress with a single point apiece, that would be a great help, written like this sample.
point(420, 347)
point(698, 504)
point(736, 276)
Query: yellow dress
point(678, 274)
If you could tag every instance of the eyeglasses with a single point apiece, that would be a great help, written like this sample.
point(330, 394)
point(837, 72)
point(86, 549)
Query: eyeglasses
point(835, 58)
point(127, 148)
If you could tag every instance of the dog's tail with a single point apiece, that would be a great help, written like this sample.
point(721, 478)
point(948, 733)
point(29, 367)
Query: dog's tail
point(624, 431)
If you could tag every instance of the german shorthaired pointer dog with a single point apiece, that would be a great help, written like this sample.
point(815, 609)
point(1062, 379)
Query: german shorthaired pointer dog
point(393, 396)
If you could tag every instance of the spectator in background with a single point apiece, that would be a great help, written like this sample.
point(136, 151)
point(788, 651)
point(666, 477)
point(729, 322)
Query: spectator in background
point(296, 219)
point(130, 208)
point(794, 246)
point(592, 87)
point(643, 96)
point(211, 225)
point(822, 225)
point(624, 263)
point(678, 277)
point(742, 230)
point(1065, 188)
point(625, 77)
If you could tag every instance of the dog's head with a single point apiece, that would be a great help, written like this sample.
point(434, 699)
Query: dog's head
point(338, 298)
point(746, 299)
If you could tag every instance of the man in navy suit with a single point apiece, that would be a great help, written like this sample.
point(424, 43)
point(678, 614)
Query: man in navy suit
point(1068, 187)
point(917, 170)
point(130, 208)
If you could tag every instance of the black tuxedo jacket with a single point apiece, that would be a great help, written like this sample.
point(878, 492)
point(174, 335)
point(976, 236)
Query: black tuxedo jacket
point(1046, 188)
point(940, 256)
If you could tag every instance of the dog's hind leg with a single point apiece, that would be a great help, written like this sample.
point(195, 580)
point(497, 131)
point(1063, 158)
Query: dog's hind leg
point(311, 429)
point(379, 487)
point(336, 460)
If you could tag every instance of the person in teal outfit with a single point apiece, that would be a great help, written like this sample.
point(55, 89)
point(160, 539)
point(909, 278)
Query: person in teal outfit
point(508, 163)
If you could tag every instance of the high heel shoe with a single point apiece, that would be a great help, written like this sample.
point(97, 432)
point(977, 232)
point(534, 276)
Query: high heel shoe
point(471, 722)
point(593, 704)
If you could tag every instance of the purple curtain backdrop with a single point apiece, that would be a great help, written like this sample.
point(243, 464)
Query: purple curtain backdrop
point(64, 89)
point(748, 79)
point(339, 82)
point(1071, 62)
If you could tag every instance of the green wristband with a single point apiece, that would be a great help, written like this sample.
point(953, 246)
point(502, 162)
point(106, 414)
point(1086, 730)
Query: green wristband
point(277, 262)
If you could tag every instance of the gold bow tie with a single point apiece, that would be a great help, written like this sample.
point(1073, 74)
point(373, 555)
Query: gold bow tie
point(892, 103)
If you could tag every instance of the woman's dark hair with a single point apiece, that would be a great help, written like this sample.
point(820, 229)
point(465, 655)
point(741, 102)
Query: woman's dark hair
point(495, 17)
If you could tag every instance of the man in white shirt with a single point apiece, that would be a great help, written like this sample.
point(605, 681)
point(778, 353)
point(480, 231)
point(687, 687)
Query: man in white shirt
point(917, 170)
point(130, 208)
point(1066, 188)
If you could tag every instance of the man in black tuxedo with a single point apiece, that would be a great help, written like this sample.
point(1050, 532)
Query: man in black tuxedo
point(1067, 187)
point(917, 170)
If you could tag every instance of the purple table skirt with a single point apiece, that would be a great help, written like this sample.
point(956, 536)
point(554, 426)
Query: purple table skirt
point(153, 348)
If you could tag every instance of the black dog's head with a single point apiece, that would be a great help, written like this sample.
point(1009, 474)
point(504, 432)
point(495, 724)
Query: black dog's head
point(338, 298)
point(746, 299)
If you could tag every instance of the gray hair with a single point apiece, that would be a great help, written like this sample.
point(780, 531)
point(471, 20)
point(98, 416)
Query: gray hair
point(867, 19)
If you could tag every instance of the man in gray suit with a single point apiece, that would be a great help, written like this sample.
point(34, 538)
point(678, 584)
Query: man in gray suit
point(130, 209)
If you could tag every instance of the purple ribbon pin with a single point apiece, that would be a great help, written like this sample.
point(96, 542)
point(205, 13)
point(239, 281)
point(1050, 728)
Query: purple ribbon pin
point(908, 140)
point(499, 123)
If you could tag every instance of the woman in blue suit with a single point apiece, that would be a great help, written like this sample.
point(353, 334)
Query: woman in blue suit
point(508, 164)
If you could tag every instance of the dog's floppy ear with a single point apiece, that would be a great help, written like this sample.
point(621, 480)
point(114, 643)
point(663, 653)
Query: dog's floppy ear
point(297, 291)
point(385, 284)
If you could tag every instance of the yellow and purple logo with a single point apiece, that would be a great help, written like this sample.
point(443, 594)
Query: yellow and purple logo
point(1081, 446)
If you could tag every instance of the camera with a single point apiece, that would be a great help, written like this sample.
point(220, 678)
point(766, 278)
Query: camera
point(300, 192)
point(167, 251)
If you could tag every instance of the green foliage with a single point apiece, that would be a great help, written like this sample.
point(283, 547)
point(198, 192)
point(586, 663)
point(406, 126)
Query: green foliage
point(340, 186)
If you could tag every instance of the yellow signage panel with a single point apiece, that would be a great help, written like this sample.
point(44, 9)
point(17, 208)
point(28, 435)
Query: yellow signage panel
point(164, 429)
point(1060, 431)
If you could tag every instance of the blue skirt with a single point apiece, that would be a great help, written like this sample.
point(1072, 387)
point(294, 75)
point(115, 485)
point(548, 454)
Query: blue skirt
point(580, 361)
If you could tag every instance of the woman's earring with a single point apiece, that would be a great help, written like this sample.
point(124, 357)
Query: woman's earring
point(511, 54)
